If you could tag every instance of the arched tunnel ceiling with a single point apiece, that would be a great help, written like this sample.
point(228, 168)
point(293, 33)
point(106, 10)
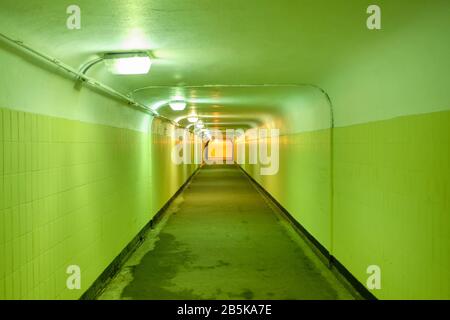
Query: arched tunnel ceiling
point(234, 106)
point(200, 43)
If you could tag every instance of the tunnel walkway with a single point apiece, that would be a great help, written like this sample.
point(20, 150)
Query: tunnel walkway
point(220, 239)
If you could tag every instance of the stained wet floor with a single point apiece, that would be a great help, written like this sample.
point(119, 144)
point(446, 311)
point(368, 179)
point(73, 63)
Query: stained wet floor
point(220, 239)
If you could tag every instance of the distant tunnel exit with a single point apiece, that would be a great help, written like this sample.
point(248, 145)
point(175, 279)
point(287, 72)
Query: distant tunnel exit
point(219, 150)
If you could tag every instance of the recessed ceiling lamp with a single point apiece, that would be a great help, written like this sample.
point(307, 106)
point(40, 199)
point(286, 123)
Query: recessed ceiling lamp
point(192, 118)
point(207, 135)
point(128, 63)
point(177, 105)
point(199, 124)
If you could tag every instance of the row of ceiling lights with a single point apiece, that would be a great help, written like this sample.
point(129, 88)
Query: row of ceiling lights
point(179, 105)
point(140, 63)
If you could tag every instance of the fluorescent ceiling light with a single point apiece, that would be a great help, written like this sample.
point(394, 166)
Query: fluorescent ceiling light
point(177, 105)
point(192, 118)
point(199, 124)
point(128, 63)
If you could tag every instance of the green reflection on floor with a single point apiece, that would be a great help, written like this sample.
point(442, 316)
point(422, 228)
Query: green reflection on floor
point(221, 240)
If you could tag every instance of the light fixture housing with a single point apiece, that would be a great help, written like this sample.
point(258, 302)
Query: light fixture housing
point(128, 63)
point(206, 133)
point(193, 118)
point(199, 124)
point(177, 105)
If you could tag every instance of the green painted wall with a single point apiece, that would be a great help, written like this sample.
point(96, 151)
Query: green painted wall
point(399, 70)
point(72, 193)
point(391, 155)
point(302, 183)
point(79, 178)
point(169, 177)
point(392, 203)
point(391, 158)
point(391, 199)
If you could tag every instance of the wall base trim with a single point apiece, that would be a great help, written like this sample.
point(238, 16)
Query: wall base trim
point(114, 267)
point(332, 261)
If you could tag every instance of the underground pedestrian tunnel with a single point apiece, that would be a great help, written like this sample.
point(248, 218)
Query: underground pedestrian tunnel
point(119, 181)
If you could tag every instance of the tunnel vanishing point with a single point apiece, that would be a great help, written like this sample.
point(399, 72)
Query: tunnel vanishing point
point(226, 150)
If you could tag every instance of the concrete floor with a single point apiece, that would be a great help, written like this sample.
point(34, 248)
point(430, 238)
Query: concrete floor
point(221, 240)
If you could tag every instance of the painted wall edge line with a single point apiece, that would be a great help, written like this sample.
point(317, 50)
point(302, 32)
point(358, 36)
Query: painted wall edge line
point(103, 279)
point(332, 261)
